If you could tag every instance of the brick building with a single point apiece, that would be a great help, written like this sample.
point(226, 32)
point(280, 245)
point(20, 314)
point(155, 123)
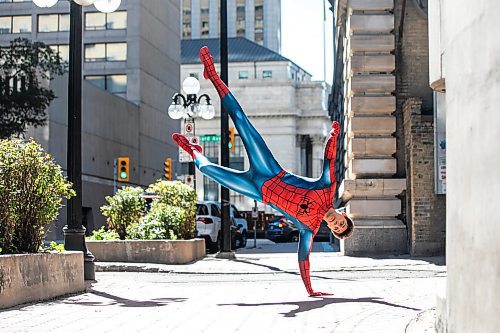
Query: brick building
point(381, 96)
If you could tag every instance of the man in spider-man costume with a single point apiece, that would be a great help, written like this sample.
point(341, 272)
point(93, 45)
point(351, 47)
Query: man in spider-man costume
point(305, 201)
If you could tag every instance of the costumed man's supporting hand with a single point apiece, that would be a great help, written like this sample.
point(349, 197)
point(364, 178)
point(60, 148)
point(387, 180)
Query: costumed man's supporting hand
point(305, 275)
point(305, 245)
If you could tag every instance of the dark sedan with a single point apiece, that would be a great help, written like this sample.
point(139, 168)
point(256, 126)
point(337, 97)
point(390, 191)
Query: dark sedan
point(281, 229)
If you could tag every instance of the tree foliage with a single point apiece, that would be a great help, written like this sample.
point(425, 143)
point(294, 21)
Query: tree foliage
point(26, 68)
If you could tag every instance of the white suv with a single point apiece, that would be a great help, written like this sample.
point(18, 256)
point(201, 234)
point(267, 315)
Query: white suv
point(208, 225)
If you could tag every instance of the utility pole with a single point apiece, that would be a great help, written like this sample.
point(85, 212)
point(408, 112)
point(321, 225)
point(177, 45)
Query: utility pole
point(224, 128)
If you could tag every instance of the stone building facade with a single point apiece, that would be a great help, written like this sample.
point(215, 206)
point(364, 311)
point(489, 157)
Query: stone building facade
point(381, 61)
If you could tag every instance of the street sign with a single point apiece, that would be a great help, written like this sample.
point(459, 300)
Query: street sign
point(255, 213)
point(189, 180)
point(184, 157)
point(195, 140)
point(189, 127)
point(210, 138)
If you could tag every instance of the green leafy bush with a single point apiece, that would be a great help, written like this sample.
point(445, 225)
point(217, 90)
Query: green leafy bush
point(124, 208)
point(103, 234)
point(161, 222)
point(178, 194)
point(171, 216)
point(32, 187)
point(52, 247)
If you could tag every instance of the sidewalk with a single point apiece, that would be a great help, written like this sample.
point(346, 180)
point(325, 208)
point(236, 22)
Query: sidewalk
point(255, 292)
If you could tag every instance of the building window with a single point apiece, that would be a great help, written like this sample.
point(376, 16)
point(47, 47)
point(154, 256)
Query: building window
point(53, 22)
point(63, 51)
point(15, 24)
point(267, 74)
point(105, 52)
point(240, 18)
point(259, 22)
point(106, 21)
point(186, 19)
point(115, 83)
point(5, 24)
point(243, 75)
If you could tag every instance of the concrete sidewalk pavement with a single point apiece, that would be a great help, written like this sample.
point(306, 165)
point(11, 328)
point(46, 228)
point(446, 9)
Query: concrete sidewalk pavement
point(256, 292)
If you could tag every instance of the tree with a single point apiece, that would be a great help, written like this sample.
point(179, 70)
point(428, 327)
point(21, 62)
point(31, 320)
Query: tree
point(26, 67)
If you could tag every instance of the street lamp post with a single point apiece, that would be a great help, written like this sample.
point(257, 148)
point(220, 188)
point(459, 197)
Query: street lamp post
point(224, 130)
point(74, 231)
point(188, 107)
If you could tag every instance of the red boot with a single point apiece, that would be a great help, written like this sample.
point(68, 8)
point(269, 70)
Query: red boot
point(210, 73)
point(184, 143)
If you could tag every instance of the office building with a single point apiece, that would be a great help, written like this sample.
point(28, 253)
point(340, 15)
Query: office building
point(256, 20)
point(131, 68)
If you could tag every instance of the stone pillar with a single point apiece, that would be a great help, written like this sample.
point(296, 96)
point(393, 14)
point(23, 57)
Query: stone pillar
point(318, 143)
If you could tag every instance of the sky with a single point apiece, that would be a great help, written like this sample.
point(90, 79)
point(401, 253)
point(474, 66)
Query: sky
point(302, 35)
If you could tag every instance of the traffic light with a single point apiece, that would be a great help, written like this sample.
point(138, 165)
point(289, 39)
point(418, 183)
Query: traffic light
point(123, 169)
point(168, 168)
point(231, 138)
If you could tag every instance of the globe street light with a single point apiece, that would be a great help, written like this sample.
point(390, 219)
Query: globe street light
point(190, 106)
point(74, 232)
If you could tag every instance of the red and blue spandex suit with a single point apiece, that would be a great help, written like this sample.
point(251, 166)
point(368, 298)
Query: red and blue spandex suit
point(303, 200)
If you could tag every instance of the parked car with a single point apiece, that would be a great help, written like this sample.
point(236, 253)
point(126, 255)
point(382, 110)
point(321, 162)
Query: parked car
point(323, 234)
point(208, 226)
point(241, 231)
point(281, 229)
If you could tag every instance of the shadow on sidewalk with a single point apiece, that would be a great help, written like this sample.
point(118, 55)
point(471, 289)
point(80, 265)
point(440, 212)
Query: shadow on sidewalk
point(124, 302)
point(276, 269)
point(320, 302)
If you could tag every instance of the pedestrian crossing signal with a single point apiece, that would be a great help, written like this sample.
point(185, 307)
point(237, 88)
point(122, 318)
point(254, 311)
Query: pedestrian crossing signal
point(123, 169)
point(231, 139)
point(168, 168)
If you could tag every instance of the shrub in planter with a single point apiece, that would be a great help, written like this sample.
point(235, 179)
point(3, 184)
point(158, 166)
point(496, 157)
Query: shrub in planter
point(103, 234)
point(161, 222)
point(178, 194)
point(32, 187)
point(124, 208)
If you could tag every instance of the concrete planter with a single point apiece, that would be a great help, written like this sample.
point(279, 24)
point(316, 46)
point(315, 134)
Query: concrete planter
point(148, 251)
point(39, 276)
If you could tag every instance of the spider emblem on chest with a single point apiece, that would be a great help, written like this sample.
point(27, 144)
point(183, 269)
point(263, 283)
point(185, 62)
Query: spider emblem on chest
point(304, 206)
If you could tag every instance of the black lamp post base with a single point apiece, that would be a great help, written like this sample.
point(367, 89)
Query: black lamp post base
point(89, 268)
point(74, 240)
point(226, 255)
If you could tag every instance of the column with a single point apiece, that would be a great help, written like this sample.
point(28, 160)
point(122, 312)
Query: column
point(318, 142)
point(195, 19)
point(214, 13)
point(250, 19)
